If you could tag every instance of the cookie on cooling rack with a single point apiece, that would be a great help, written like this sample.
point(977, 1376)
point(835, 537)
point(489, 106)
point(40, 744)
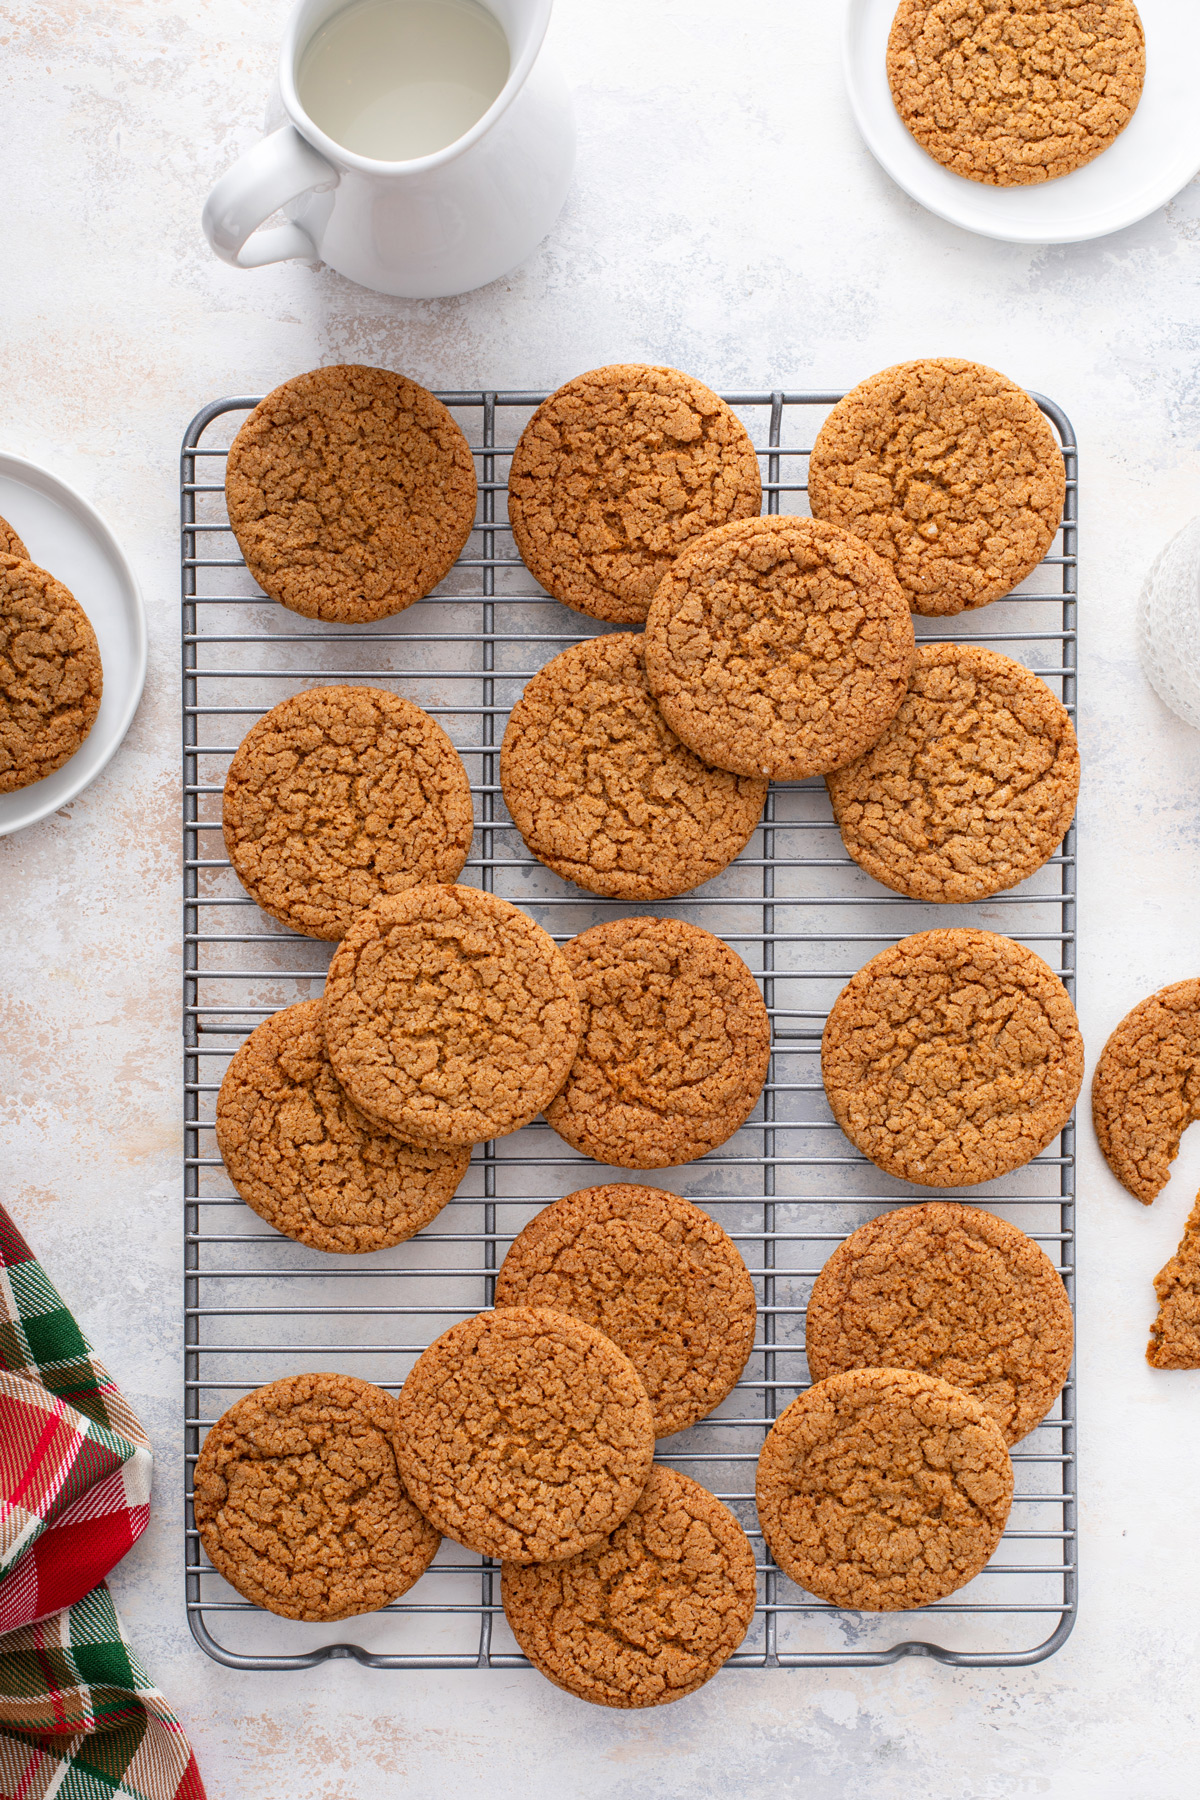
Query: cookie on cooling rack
point(1146, 1089)
point(51, 680)
point(351, 491)
point(651, 1612)
point(615, 473)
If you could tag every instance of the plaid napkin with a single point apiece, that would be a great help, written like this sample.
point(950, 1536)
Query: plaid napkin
point(79, 1717)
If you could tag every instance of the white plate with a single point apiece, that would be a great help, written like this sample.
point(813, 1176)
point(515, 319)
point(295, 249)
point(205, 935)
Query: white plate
point(1157, 154)
point(64, 533)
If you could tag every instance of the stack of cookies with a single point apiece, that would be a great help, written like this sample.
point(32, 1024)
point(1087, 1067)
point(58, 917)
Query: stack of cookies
point(51, 680)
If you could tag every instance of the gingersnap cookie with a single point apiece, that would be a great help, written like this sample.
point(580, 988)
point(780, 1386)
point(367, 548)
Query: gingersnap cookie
point(950, 1291)
point(10, 543)
point(300, 1152)
point(972, 785)
point(299, 1502)
point(604, 793)
point(1146, 1089)
point(883, 1489)
point(339, 796)
point(524, 1434)
point(653, 1273)
point(778, 647)
point(1012, 92)
point(649, 1613)
point(952, 1057)
point(449, 1016)
point(674, 1044)
point(50, 675)
point(1175, 1334)
point(351, 492)
point(615, 473)
point(950, 472)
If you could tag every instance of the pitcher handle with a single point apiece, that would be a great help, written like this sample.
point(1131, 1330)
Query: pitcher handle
point(280, 168)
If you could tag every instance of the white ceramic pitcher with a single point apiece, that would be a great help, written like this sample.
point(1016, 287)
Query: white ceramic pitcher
point(438, 224)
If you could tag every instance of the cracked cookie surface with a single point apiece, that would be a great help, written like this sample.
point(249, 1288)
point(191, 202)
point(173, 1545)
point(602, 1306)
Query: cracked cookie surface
point(1146, 1089)
point(950, 472)
point(615, 473)
point(524, 1434)
point(1013, 92)
point(351, 491)
point(651, 1612)
point(657, 1276)
point(952, 1057)
point(339, 796)
point(604, 793)
point(972, 785)
point(51, 681)
point(950, 1291)
point(674, 1045)
point(1175, 1334)
point(300, 1152)
point(883, 1489)
point(449, 1016)
point(300, 1505)
point(10, 543)
point(778, 647)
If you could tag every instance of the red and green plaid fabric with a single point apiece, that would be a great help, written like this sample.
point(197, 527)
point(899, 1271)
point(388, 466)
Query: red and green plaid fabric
point(79, 1717)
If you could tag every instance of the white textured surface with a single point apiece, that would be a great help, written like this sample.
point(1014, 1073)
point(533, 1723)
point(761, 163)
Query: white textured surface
point(725, 218)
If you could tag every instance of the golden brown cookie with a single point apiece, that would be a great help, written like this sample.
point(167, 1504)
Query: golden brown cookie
point(602, 790)
point(450, 1017)
point(50, 675)
point(1175, 1334)
point(10, 543)
point(617, 471)
point(300, 1505)
point(1011, 92)
point(657, 1276)
point(1146, 1089)
point(952, 1057)
point(339, 796)
point(651, 1612)
point(778, 647)
point(524, 1434)
point(950, 1291)
point(350, 491)
point(972, 785)
point(674, 1046)
point(950, 472)
point(883, 1489)
point(299, 1151)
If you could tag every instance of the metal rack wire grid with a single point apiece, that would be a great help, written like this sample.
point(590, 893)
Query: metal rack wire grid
point(788, 1186)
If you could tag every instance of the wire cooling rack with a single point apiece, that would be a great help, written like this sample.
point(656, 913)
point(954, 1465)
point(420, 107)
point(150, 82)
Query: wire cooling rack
point(788, 1187)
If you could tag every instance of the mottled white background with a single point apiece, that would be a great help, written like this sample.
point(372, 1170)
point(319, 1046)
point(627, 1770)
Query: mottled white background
point(726, 219)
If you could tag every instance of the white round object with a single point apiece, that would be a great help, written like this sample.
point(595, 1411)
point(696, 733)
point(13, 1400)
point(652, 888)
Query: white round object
point(1169, 624)
point(1155, 156)
point(65, 534)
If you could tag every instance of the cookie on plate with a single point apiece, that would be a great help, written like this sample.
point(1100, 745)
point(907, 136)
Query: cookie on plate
point(351, 492)
point(950, 472)
point(10, 543)
point(952, 1057)
point(299, 1151)
point(1146, 1089)
point(299, 1503)
point(339, 796)
point(50, 676)
point(653, 1273)
point(651, 1612)
point(615, 473)
point(950, 1291)
point(449, 1016)
point(778, 647)
point(1175, 1334)
point(604, 793)
point(524, 1434)
point(1014, 92)
point(883, 1489)
point(674, 1045)
point(972, 785)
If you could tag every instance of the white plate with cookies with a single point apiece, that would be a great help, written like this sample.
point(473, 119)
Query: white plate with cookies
point(63, 533)
point(1156, 154)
